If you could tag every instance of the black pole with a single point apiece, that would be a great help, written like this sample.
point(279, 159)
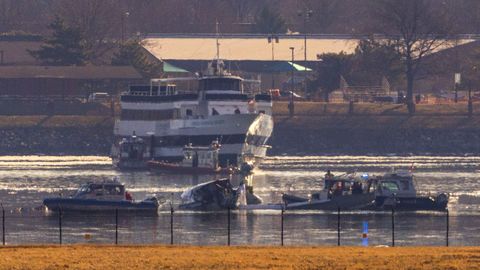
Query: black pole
point(3, 224)
point(228, 227)
point(116, 226)
point(60, 225)
point(171, 225)
point(448, 227)
point(281, 228)
point(338, 226)
point(470, 103)
point(393, 227)
point(291, 106)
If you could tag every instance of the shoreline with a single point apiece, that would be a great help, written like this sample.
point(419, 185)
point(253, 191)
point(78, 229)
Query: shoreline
point(237, 257)
point(304, 134)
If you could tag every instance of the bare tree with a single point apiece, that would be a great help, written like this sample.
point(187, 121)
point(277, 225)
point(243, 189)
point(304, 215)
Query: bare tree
point(417, 28)
point(324, 14)
point(245, 9)
point(101, 21)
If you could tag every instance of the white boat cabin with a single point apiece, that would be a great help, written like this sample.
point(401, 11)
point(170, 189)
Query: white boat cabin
point(111, 191)
point(397, 183)
point(201, 156)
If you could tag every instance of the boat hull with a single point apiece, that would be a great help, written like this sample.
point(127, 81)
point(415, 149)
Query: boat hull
point(241, 135)
point(409, 204)
point(91, 205)
point(344, 203)
point(177, 169)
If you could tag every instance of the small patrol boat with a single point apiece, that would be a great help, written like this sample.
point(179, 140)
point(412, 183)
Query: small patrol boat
point(102, 196)
point(196, 159)
point(347, 192)
point(396, 190)
point(133, 154)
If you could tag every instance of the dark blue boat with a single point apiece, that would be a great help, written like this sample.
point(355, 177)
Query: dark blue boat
point(396, 190)
point(103, 196)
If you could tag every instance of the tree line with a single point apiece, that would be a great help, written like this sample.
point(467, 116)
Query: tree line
point(81, 31)
point(104, 18)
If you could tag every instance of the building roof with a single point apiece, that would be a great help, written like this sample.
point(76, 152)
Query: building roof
point(169, 68)
point(244, 47)
point(16, 52)
point(253, 66)
point(69, 72)
point(254, 47)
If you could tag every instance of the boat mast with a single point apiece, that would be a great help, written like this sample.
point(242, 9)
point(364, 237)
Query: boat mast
point(217, 37)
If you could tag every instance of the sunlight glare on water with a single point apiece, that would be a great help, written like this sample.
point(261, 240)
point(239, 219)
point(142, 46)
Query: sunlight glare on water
point(26, 180)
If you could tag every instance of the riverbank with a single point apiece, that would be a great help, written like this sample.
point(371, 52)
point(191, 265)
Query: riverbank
point(184, 257)
point(379, 134)
point(316, 129)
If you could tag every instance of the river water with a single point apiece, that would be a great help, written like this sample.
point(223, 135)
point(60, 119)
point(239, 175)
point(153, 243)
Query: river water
point(26, 180)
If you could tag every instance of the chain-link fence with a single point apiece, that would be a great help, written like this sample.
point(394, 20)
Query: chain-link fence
point(238, 227)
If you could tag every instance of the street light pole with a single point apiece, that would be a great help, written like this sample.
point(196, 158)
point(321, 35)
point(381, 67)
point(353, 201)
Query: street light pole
point(124, 17)
point(291, 105)
point(306, 16)
point(273, 39)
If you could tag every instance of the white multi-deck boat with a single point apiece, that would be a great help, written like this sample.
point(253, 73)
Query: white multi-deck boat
point(218, 108)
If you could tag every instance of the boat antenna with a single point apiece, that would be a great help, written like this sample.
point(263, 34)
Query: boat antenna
point(217, 35)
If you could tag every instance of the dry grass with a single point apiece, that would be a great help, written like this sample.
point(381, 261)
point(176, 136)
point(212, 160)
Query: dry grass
point(55, 121)
point(161, 257)
point(310, 115)
point(319, 108)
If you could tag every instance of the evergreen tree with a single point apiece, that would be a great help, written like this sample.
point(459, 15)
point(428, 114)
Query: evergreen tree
point(65, 47)
point(331, 67)
point(131, 53)
point(374, 60)
point(269, 22)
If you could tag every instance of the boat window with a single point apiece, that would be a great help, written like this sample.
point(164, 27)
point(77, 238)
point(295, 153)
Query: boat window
point(237, 111)
point(214, 112)
point(188, 155)
point(220, 84)
point(113, 190)
point(97, 189)
point(392, 186)
point(405, 184)
point(188, 112)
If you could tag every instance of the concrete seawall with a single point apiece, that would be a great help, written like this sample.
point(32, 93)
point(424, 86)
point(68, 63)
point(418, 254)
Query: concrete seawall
point(303, 135)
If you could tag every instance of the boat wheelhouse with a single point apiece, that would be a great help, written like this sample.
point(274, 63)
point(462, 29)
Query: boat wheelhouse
point(173, 112)
point(196, 160)
point(133, 153)
point(347, 192)
point(397, 190)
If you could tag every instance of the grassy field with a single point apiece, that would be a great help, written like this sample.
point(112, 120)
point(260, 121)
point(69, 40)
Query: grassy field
point(162, 257)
